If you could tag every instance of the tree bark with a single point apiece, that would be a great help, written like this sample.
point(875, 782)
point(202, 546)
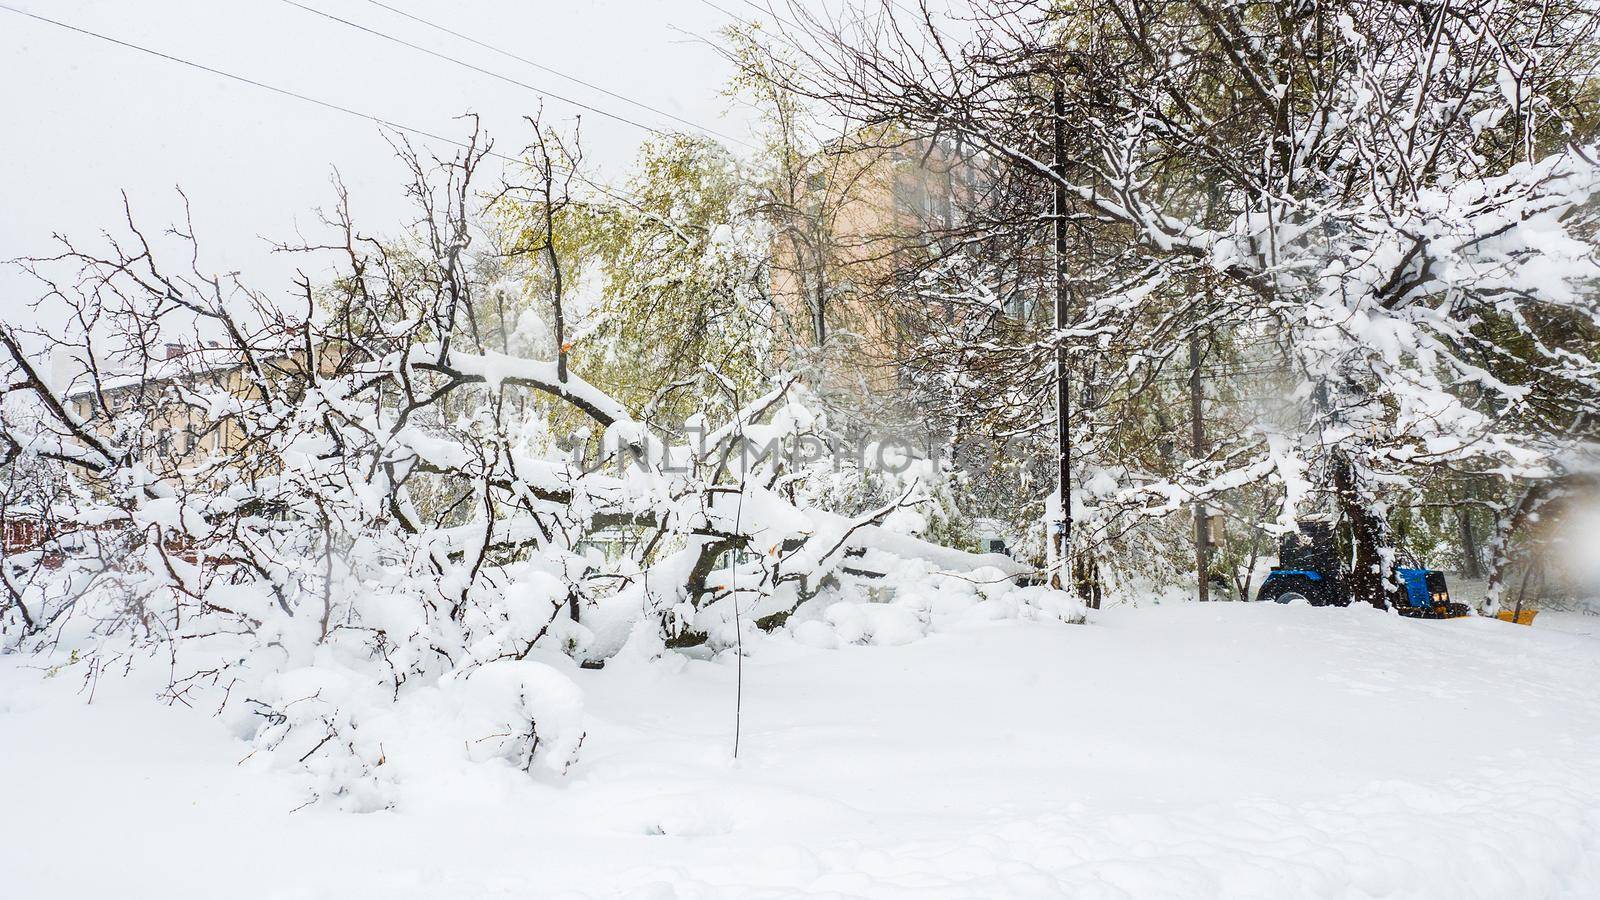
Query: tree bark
point(1063, 397)
point(1371, 577)
point(1471, 558)
point(1202, 539)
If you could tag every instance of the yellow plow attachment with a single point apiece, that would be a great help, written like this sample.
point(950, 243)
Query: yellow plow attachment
point(1518, 617)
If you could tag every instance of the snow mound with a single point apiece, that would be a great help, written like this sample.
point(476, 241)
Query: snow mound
point(918, 601)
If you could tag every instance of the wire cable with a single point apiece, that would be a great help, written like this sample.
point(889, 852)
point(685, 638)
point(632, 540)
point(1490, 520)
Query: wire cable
point(479, 69)
point(240, 78)
point(558, 73)
point(296, 95)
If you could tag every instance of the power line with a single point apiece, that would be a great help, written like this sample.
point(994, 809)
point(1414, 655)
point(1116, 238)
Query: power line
point(743, 21)
point(559, 74)
point(479, 69)
point(286, 92)
point(239, 78)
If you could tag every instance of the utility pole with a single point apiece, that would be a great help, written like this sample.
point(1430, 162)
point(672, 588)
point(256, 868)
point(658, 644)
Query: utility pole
point(1202, 536)
point(819, 320)
point(1063, 397)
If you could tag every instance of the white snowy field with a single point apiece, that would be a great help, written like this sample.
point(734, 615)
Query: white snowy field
point(1236, 750)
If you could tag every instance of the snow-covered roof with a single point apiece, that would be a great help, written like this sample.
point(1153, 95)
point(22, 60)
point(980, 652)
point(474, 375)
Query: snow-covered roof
point(186, 363)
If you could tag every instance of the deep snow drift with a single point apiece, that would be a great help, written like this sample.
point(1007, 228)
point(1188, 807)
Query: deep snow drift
point(1180, 751)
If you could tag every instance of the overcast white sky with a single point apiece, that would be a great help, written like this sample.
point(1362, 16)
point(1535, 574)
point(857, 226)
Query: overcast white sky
point(83, 119)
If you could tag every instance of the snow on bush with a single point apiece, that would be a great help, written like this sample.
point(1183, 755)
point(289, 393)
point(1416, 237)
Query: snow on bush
point(520, 712)
point(313, 719)
point(355, 747)
point(368, 542)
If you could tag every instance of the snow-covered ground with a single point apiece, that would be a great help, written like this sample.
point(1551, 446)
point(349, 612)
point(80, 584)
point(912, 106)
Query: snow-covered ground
point(1236, 750)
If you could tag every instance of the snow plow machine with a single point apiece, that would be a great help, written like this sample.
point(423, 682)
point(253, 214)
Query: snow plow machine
point(1309, 570)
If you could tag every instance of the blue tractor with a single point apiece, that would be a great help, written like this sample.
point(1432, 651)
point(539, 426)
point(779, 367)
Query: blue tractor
point(1309, 570)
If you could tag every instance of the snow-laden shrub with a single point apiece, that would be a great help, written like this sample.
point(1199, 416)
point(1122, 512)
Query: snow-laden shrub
point(312, 719)
point(520, 712)
point(355, 746)
point(341, 695)
point(359, 527)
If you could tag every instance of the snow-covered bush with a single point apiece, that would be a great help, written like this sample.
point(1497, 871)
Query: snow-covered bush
point(356, 530)
point(522, 712)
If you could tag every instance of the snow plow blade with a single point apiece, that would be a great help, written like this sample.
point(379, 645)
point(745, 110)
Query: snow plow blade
point(1519, 617)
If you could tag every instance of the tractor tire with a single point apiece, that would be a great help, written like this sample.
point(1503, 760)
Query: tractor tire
point(1288, 590)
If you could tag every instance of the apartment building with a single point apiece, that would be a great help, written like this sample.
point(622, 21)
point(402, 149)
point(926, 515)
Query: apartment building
point(173, 392)
point(864, 215)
